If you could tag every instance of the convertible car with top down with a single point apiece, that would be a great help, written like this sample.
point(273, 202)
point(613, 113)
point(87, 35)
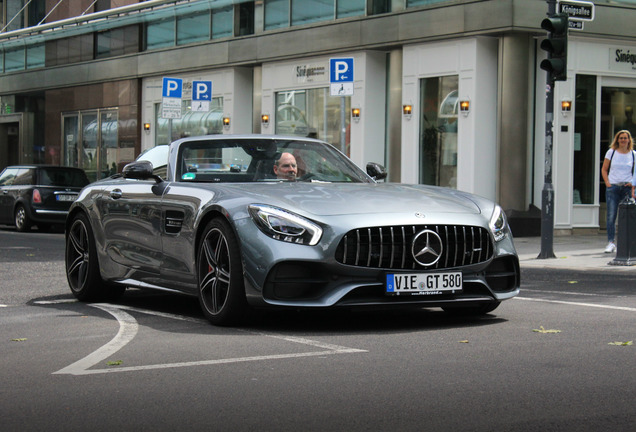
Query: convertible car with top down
point(259, 221)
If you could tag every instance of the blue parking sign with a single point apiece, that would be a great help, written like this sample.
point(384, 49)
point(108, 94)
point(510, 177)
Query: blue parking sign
point(172, 88)
point(202, 90)
point(341, 70)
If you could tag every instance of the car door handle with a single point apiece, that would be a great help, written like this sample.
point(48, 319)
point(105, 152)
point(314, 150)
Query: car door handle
point(115, 193)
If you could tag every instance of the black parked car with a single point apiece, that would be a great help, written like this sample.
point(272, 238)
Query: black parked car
point(38, 194)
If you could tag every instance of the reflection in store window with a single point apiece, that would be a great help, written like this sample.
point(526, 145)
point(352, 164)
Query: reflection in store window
point(438, 131)
point(313, 113)
point(191, 123)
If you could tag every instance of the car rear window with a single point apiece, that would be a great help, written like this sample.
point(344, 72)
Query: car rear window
point(62, 177)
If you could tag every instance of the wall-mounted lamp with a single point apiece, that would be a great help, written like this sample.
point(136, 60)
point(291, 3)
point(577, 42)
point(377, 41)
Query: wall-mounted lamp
point(265, 120)
point(464, 107)
point(355, 114)
point(566, 106)
point(147, 128)
point(407, 110)
point(226, 122)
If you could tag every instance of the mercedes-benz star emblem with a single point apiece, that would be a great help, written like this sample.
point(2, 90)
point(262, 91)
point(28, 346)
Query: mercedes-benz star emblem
point(427, 248)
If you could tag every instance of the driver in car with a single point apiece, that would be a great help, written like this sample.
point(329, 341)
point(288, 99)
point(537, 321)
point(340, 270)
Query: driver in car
point(285, 167)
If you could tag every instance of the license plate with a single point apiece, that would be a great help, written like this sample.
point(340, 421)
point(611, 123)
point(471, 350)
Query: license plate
point(66, 197)
point(423, 283)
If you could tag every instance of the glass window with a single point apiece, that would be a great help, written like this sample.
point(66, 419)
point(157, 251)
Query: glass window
point(438, 131)
point(26, 176)
point(160, 34)
point(585, 140)
point(193, 28)
point(314, 113)
point(308, 11)
point(222, 22)
point(91, 142)
point(7, 176)
point(347, 8)
point(246, 18)
point(14, 60)
point(276, 14)
point(414, 3)
point(35, 56)
point(191, 123)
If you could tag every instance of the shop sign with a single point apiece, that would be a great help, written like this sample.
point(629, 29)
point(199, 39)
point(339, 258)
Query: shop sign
point(622, 59)
point(307, 73)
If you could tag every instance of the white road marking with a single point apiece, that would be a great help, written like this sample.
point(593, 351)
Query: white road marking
point(50, 302)
point(623, 308)
point(128, 330)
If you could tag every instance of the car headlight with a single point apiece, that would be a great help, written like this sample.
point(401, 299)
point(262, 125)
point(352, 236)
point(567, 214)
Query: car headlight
point(282, 225)
point(498, 223)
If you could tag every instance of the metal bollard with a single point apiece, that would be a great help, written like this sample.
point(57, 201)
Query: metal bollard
point(626, 234)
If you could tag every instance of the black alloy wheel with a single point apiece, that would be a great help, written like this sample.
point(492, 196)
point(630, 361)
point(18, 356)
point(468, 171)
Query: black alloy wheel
point(82, 267)
point(220, 275)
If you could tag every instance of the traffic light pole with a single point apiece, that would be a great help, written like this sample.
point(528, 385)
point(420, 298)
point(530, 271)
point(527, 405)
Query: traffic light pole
point(547, 194)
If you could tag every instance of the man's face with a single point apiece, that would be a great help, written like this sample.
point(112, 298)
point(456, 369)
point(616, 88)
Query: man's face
point(286, 167)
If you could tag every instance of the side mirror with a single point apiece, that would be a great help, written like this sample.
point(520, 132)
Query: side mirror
point(139, 170)
point(376, 171)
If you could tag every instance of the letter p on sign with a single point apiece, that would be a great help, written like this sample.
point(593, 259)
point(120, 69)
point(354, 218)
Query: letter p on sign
point(341, 70)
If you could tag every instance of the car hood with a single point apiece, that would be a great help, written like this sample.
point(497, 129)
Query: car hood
point(330, 199)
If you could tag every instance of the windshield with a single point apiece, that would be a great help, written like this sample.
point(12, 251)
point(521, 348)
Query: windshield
point(264, 160)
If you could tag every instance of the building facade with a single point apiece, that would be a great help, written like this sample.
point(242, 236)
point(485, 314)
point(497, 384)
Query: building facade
point(444, 92)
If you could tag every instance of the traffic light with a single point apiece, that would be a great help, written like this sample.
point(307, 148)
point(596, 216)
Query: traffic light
point(556, 45)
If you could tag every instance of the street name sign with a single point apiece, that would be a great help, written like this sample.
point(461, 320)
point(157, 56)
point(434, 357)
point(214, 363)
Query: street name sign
point(577, 10)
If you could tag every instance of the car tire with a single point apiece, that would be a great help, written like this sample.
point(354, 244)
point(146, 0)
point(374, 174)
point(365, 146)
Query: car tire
point(82, 266)
point(472, 310)
point(220, 275)
point(21, 219)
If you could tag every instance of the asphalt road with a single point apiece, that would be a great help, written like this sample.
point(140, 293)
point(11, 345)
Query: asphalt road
point(545, 361)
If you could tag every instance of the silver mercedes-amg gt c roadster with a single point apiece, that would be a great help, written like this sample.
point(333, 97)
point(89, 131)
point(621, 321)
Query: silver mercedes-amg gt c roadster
point(254, 221)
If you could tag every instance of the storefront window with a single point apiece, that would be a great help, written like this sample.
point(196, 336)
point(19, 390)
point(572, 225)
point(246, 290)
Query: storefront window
point(91, 142)
point(617, 113)
point(438, 131)
point(314, 113)
point(191, 123)
point(585, 158)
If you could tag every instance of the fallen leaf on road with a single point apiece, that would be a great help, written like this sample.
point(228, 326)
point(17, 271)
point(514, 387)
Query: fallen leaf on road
point(621, 343)
point(114, 363)
point(463, 341)
point(18, 340)
point(573, 282)
point(542, 330)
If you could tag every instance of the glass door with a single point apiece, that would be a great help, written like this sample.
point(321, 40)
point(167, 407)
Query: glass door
point(438, 131)
point(91, 142)
point(89, 152)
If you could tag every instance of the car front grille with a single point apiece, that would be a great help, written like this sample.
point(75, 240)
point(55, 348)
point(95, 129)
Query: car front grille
point(391, 247)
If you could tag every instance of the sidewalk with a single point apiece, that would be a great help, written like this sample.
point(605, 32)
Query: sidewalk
point(577, 252)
